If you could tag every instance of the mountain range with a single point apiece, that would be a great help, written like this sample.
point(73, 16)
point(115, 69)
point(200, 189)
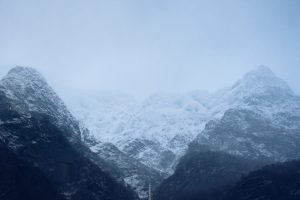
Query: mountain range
point(111, 146)
point(158, 130)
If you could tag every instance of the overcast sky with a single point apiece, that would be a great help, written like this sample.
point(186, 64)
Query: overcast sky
point(142, 46)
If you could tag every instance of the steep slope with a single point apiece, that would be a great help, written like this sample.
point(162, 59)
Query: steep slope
point(252, 135)
point(42, 145)
point(217, 176)
point(19, 180)
point(205, 175)
point(275, 182)
point(105, 114)
point(135, 174)
point(37, 126)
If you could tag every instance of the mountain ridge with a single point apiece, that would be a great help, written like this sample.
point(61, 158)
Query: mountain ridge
point(164, 124)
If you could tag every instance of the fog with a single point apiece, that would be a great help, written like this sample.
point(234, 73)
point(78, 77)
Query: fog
point(143, 46)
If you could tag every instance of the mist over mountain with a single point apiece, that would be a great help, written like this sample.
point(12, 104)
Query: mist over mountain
point(110, 145)
point(255, 117)
point(149, 100)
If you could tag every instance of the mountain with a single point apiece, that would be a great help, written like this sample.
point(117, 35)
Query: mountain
point(36, 126)
point(262, 120)
point(27, 90)
point(157, 130)
point(257, 119)
point(116, 140)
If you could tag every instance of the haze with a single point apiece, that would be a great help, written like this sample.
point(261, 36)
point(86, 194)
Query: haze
point(143, 46)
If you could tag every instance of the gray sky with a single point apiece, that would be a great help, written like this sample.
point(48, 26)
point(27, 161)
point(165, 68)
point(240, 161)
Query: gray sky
point(141, 46)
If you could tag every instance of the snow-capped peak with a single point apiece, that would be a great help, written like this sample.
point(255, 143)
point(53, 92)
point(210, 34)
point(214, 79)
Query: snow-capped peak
point(29, 91)
point(25, 75)
point(258, 82)
point(29, 86)
point(24, 70)
point(261, 79)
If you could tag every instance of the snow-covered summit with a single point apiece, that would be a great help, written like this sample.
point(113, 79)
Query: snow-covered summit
point(18, 79)
point(21, 78)
point(25, 72)
point(29, 91)
point(260, 85)
point(262, 78)
point(259, 116)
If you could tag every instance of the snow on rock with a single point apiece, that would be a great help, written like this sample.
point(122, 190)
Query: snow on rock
point(262, 119)
point(157, 130)
point(149, 137)
point(29, 91)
